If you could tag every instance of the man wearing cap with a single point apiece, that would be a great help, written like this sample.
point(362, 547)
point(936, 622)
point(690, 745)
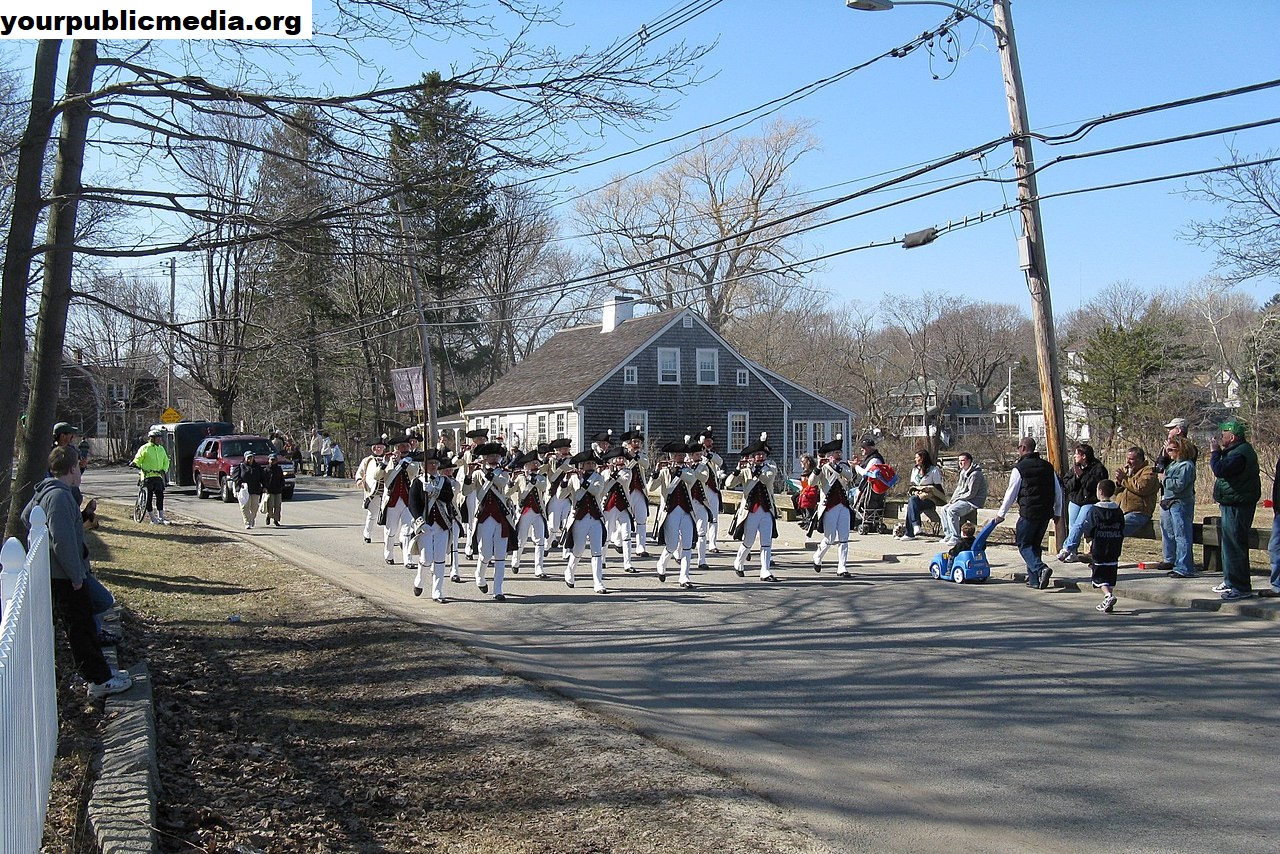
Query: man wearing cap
point(434, 512)
point(65, 434)
point(273, 489)
point(153, 461)
point(1035, 486)
point(249, 479)
point(528, 491)
point(757, 514)
point(674, 480)
point(586, 531)
point(638, 495)
point(559, 493)
point(371, 486)
point(834, 481)
point(396, 477)
point(715, 465)
point(491, 531)
point(618, 520)
point(1237, 489)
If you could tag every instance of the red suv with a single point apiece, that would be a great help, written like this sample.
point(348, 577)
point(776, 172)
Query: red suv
point(217, 455)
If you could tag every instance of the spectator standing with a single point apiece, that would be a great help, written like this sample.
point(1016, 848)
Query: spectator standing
point(273, 493)
point(1137, 488)
point(970, 496)
point(153, 461)
point(926, 493)
point(1034, 485)
point(277, 442)
point(1177, 506)
point(250, 483)
point(316, 451)
point(337, 460)
point(68, 569)
point(1178, 427)
point(326, 453)
point(1237, 489)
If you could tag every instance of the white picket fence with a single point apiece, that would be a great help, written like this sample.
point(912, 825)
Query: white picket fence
point(28, 690)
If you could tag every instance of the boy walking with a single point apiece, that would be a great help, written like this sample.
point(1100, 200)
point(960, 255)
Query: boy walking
point(1107, 524)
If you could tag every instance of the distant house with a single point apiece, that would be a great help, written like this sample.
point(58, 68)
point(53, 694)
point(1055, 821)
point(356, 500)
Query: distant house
point(108, 402)
point(667, 372)
point(918, 408)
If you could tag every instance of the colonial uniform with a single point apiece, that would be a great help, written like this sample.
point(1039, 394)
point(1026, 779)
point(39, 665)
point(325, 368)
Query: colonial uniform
point(638, 494)
point(492, 535)
point(834, 480)
point(432, 505)
point(757, 513)
point(710, 532)
point(371, 486)
point(674, 531)
point(618, 521)
point(586, 532)
point(393, 515)
point(468, 460)
point(559, 492)
point(528, 492)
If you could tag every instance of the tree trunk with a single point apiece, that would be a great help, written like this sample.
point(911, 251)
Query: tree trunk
point(59, 258)
point(17, 254)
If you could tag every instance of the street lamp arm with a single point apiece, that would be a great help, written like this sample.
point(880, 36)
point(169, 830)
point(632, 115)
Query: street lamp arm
point(886, 5)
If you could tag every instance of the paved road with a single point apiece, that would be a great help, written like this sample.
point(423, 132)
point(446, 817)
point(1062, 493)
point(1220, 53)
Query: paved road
point(890, 712)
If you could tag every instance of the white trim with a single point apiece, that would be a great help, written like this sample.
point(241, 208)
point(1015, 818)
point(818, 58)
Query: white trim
point(533, 407)
point(668, 351)
point(741, 378)
point(630, 374)
point(715, 364)
point(728, 432)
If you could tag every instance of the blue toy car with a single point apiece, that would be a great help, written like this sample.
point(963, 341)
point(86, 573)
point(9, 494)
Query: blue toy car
point(966, 566)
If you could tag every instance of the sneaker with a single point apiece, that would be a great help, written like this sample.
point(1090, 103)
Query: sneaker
point(1107, 604)
point(106, 637)
point(907, 536)
point(1222, 588)
point(1231, 594)
point(1173, 573)
point(120, 681)
point(1069, 556)
point(1164, 566)
point(1045, 575)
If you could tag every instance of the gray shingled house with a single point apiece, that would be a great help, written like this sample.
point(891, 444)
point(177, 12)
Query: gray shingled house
point(667, 372)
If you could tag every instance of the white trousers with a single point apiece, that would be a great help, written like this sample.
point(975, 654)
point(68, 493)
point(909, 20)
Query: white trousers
point(396, 530)
point(588, 535)
point(711, 529)
point(433, 550)
point(490, 544)
point(559, 514)
point(531, 527)
point(640, 510)
point(677, 536)
point(758, 523)
point(618, 525)
point(835, 531)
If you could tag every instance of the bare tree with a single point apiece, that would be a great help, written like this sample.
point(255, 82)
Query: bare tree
point(702, 232)
point(1247, 235)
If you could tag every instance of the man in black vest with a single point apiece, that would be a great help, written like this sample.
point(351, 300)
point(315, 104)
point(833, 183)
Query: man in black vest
point(1035, 486)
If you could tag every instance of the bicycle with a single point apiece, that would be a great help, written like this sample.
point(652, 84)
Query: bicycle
point(140, 503)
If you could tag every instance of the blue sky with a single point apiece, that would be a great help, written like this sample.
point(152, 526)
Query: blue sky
point(1080, 60)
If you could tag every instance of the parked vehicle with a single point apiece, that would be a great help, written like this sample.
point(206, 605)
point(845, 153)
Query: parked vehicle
point(217, 455)
point(180, 442)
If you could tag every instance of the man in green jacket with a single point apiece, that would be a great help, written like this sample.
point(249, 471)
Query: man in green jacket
point(1237, 490)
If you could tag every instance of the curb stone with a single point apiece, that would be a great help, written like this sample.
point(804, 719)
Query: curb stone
point(123, 803)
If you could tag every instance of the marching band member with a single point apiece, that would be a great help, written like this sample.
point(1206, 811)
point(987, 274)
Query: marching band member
point(715, 462)
point(468, 463)
point(703, 518)
point(491, 532)
point(618, 520)
point(449, 468)
point(834, 480)
point(602, 442)
point(371, 485)
point(674, 480)
point(587, 529)
point(757, 513)
point(395, 477)
point(528, 490)
point(431, 501)
point(560, 495)
point(638, 496)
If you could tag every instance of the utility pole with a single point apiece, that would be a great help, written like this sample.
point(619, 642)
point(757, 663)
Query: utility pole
point(173, 297)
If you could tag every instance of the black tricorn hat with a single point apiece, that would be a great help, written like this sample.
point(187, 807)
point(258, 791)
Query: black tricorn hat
point(605, 436)
point(560, 443)
point(676, 446)
point(836, 444)
point(524, 459)
point(613, 453)
point(489, 449)
point(759, 446)
point(397, 440)
point(544, 447)
point(434, 455)
point(478, 433)
point(585, 456)
point(633, 434)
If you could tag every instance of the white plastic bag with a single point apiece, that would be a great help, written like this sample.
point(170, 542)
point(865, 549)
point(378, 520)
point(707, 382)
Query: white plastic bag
point(242, 495)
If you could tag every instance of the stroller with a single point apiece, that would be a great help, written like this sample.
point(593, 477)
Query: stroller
point(805, 499)
point(868, 500)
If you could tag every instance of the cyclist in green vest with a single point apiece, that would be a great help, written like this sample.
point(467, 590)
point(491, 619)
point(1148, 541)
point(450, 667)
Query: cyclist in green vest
point(153, 461)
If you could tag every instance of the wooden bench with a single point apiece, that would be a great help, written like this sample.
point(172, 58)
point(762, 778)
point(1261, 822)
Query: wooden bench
point(786, 507)
point(1209, 534)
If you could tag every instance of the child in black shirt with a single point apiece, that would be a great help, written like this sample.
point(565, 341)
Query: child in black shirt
point(1107, 526)
point(965, 542)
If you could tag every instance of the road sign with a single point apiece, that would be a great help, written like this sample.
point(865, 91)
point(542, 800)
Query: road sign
point(170, 416)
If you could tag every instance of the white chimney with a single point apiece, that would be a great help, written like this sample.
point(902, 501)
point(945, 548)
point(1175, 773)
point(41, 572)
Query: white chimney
point(617, 310)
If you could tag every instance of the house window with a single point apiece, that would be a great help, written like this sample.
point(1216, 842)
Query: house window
point(739, 429)
point(668, 366)
point(631, 375)
point(542, 428)
point(708, 366)
point(64, 388)
point(687, 321)
point(560, 425)
point(632, 418)
point(743, 376)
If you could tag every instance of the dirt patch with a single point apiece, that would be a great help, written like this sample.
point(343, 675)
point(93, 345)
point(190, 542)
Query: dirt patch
point(294, 716)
